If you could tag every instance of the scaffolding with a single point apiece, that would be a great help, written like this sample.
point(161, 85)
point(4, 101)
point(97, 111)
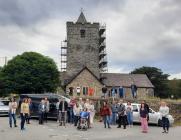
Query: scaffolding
point(102, 49)
point(63, 56)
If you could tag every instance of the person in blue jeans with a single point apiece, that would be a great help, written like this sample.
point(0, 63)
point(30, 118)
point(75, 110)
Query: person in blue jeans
point(71, 113)
point(114, 109)
point(164, 111)
point(129, 113)
point(24, 112)
point(105, 112)
point(12, 112)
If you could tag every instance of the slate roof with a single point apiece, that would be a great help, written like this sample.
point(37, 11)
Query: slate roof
point(125, 80)
point(81, 18)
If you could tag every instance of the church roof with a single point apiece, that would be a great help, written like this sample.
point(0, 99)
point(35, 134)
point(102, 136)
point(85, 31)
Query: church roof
point(125, 80)
point(81, 18)
point(84, 68)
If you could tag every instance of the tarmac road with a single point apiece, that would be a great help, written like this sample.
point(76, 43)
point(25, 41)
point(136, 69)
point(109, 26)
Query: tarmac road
point(51, 131)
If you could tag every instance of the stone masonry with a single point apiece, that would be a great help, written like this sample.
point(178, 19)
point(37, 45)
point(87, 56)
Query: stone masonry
point(82, 51)
point(85, 79)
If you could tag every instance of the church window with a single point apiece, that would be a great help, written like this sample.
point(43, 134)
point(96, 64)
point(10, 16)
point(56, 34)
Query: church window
point(85, 90)
point(82, 33)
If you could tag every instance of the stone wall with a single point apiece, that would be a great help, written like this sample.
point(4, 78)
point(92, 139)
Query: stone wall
point(85, 79)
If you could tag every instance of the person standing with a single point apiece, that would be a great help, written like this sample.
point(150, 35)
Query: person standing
point(81, 102)
point(41, 110)
point(134, 90)
point(143, 118)
point(122, 115)
point(129, 113)
point(114, 109)
point(12, 112)
point(121, 92)
point(47, 109)
point(63, 107)
point(77, 110)
point(164, 111)
point(147, 108)
point(105, 112)
point(71, 114)
point(88, 106)
point(30, 110)
point(92, 113)
point(104, 92)
point(24, 112)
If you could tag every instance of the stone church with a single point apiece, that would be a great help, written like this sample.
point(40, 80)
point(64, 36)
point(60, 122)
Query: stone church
point(84, 63)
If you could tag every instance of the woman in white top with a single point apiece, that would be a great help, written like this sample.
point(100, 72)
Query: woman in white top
point(87, 104)
point(164, 111)
point(77, 109)
point(129, 113)
point(12, 112)
point(92, 113)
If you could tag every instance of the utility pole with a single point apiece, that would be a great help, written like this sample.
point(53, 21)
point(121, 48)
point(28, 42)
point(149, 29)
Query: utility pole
point(5, 59)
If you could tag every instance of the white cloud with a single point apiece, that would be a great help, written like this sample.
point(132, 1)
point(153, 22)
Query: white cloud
point(45, 37)
point(141, 32)
point(175, 76)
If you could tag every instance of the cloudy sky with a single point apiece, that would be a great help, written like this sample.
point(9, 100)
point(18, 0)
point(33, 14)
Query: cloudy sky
point(139, 32)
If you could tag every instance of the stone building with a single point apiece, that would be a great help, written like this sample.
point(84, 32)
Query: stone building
point(84, 47)
point(85, 84)
point(84, 63)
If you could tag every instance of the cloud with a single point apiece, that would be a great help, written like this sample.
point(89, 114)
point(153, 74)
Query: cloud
point(142, 32)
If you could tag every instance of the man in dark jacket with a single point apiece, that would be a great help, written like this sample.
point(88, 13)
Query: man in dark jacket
point(122, 115)
point(63, 106)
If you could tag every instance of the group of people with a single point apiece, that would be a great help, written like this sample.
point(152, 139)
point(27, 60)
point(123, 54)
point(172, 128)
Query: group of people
point(119, 92)
point(115, 113)
point(122, 114)
point(26, 108)
point(73, 111)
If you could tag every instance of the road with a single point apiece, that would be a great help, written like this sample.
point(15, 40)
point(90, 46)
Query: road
point(52, 131)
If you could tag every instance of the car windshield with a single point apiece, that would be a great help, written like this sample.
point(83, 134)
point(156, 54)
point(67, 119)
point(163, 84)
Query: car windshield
point(1, 104)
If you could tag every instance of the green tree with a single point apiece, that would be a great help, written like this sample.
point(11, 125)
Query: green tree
point(30, 72)
point(157, 78)
point(175, 88)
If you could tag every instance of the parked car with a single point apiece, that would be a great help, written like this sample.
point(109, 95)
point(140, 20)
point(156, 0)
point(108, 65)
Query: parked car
point(36, 99)
point(4, 107)
point(154, 117)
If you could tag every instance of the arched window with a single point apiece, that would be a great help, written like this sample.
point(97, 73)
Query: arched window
point(82, 33)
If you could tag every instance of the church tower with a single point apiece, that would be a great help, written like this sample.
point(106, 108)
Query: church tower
point(84, 47)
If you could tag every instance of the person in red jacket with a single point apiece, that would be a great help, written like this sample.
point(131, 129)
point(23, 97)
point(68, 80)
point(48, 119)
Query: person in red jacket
point(105, 112)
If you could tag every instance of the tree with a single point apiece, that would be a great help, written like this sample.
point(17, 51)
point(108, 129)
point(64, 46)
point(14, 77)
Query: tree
point(30, 72)
point(157, 78)
point(175, 88)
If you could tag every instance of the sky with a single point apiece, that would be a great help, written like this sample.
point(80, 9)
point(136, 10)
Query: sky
point(138, 32)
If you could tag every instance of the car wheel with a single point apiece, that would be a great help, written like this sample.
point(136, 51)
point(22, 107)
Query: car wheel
point(159, 122)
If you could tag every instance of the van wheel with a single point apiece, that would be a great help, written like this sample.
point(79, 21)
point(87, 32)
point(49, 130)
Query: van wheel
point(159, 122)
